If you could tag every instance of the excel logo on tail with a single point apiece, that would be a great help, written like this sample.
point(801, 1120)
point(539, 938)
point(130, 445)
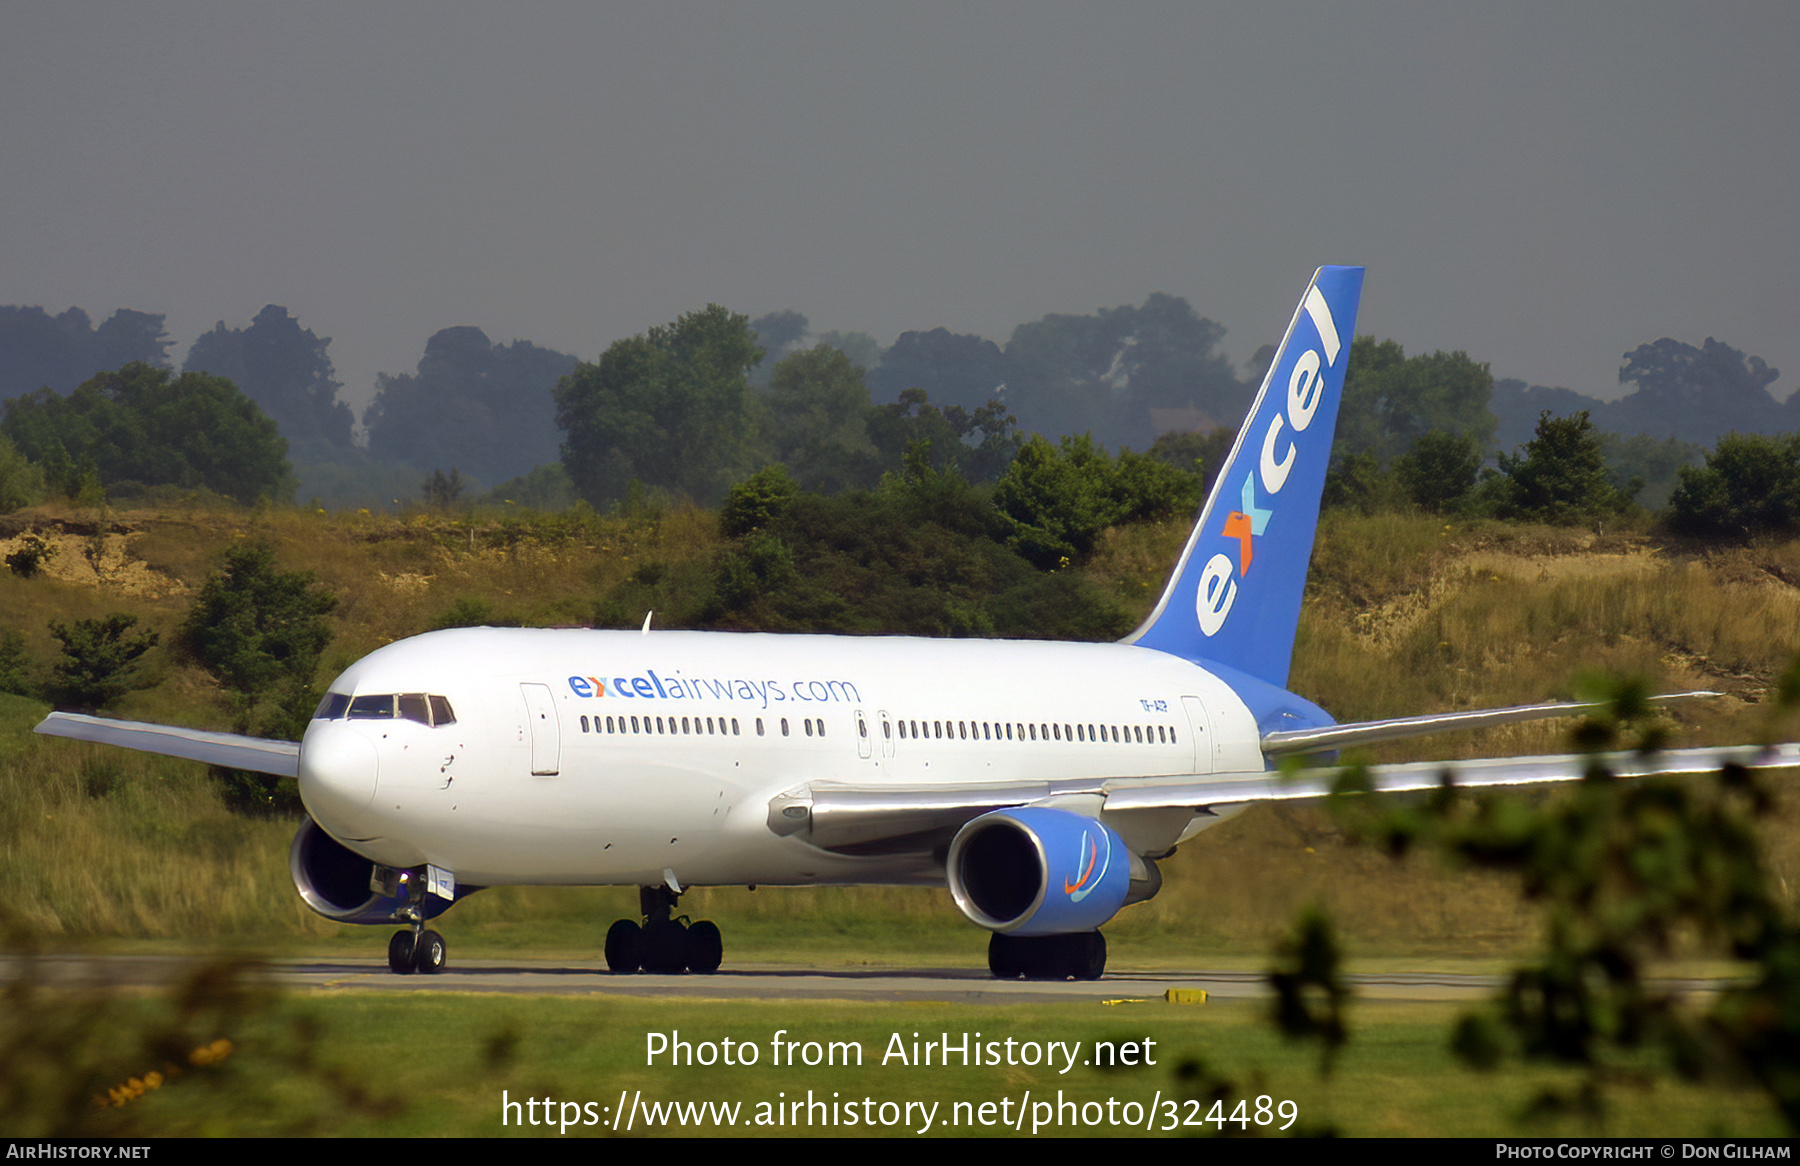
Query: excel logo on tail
point(1244, 525)
point(1278, 440)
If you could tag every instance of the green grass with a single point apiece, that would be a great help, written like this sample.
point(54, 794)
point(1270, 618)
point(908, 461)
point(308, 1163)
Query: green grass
point(362, 1064)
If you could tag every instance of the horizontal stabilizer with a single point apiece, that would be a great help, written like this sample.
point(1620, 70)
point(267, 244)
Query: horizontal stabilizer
point(1326, 737)
point(231, 750)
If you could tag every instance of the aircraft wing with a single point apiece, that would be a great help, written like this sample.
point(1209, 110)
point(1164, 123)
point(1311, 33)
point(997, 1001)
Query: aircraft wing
point(868, 819)
point(1329, 737)
point(231, 750)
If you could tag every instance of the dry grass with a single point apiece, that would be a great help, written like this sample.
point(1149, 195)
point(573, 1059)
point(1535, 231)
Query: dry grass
point(1405, 614)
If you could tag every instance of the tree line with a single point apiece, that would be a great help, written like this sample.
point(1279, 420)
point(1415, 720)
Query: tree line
point(694, 406)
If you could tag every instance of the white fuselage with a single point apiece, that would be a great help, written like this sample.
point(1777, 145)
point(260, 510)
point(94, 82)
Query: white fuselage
point(604, 757)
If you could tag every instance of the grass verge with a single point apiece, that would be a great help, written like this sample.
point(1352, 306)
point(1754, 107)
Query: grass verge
point(433, 1065)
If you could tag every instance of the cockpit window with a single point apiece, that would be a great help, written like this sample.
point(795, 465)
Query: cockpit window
point(423, 707)
point(372, 708)
point(332, 707)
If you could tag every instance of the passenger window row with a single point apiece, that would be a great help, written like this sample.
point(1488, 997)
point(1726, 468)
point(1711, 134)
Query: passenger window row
point(908, 729)
point(703, 726)
point(1040, 731)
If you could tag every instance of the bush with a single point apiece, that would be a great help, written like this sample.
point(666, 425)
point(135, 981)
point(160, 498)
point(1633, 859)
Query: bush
point(254, 627)
point(260, 632)
point(757, 501)
point(1562, 475)
point(1750, 485)
point(98, 660)
point(31, 556)
point(1440, 470)
point(15, 664)
point(1058, 501)
point(146, 425)
point(21, 483)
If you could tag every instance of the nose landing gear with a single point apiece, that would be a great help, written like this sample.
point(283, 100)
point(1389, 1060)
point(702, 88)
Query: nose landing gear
point(663, 943)
point(417, 950)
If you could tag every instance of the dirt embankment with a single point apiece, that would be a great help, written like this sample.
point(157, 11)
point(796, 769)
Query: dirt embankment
point(86, 552)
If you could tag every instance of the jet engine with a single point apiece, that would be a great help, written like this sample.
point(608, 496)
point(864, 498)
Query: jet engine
point(1038, 871)
point(340, 884)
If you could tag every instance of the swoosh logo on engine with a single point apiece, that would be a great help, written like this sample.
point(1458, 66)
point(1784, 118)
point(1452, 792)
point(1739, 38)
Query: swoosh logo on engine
point(1086, 857)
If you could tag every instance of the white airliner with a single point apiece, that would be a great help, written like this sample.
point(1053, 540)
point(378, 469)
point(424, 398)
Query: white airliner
point(1042, 781)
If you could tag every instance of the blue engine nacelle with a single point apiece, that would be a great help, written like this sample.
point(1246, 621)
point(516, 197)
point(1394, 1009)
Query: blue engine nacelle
point(1038, 871)
point(336, 881)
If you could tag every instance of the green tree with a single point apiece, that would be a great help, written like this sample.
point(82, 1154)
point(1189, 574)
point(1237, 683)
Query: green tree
point(15, 664)
point(1059, 500)
point(1105, 373)
point(1646, 469)
point(779, 335)
point(255, 627)
point(1561, 476)
point(952, 368)
point(260, 632)
point(1696, 394)
point(863, 349)
point(21, 483)
point(817, 420)
point(284, 368)
point(98, 661)
point(977, 445)
point(1749, 486)
point(1202, 452)
point(471, 403)
point(147, 426)
point(670, 408)
point(758, 501)
point(1391, 400)
point(922, 555)
point(1439, 471)
point(546, 487)
point(41, 351)
point(441, 492)
point(1357, 481)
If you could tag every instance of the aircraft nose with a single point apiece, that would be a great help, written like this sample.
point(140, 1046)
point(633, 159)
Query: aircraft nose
point(337, 774)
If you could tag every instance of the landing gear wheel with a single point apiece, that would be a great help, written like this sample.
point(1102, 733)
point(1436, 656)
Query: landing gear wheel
point(1004, 957)
point(706, 947)
point(663, 943)
point(665, 948)
point(623, 947)
point(429, 953)
point(1079, 955)
point(400, 953)
point(1089, 962)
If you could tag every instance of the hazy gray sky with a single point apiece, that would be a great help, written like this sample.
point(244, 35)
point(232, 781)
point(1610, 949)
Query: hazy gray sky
point(1544, 185)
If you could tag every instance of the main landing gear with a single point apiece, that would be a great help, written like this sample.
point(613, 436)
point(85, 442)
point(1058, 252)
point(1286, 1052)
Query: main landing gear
point(1080, 955)
point(417, 950)
point(662, 943)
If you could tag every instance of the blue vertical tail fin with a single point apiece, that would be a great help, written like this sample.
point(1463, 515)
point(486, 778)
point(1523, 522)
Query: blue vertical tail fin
point(1235, 596)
